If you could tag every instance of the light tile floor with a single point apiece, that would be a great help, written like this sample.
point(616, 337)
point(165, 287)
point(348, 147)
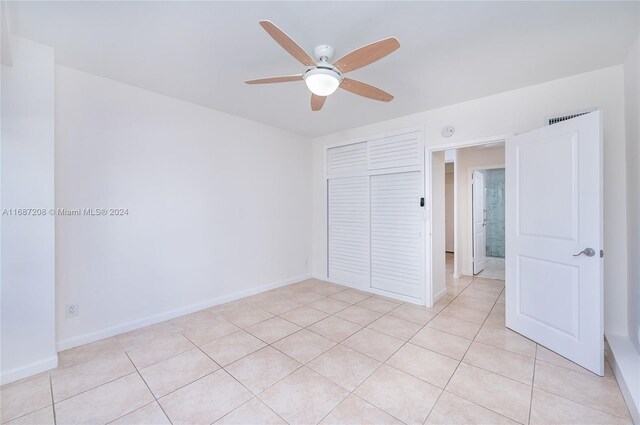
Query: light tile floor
point(314, 352)
point(494, 268)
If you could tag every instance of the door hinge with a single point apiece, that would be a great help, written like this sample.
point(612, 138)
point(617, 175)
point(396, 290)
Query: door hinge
point(422, 202)
point(601, 253)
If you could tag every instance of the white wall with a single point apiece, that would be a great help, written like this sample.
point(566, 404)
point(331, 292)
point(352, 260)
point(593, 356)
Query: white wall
point(27, 291)
point(624, 345)
point(449, 193)
point(466, 159)
point(632, 107)
point(438, 265)
point(219, 206)
point(518, 111)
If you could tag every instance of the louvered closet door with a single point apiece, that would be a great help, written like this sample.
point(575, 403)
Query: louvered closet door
point(402, 150)
point(397, 234)
point(347, 159)
point(349, 230)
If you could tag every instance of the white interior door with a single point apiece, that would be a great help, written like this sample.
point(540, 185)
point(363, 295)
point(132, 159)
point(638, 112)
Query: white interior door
point(554, 238)
point(479, 223)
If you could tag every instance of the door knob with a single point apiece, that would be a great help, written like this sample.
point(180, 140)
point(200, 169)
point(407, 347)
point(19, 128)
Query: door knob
point(589, 252)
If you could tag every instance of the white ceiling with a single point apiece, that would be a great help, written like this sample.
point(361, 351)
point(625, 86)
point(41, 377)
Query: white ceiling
point(451, 51)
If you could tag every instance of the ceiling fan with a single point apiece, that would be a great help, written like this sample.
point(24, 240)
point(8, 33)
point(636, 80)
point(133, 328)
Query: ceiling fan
point(323, 77)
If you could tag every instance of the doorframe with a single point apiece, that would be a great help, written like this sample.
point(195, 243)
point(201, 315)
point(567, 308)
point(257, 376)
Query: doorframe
point(430, 297)
point(470, 209)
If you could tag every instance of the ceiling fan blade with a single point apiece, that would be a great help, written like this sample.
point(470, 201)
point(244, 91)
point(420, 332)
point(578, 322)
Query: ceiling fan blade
point(366, 90)
point(317, 102)
point(287, 43)
point(367, 54)
point(268, 80)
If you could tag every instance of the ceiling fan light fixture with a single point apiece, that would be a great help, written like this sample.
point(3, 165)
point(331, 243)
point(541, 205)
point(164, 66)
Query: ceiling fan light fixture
point(323, 76)
point(322, 82)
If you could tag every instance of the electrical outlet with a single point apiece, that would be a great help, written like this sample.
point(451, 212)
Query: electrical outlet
point(73, 310)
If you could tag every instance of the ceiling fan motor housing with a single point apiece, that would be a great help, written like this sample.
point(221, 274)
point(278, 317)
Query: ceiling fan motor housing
point(323, 51)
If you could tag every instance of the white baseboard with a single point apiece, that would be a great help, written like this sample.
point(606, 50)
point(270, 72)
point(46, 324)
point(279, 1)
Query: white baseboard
point(625, 362)
point(76, 341)
point(28, 370)
point(439, 295)
point(373, 291)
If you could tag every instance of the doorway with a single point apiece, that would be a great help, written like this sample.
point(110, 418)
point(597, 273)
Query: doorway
point(454, 255)
point(488, 213)
point(450, 212)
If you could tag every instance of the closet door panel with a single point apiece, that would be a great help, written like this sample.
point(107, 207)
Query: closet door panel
point(348, 236)
point(397, 233)
point(347, 159)
point(403, 150)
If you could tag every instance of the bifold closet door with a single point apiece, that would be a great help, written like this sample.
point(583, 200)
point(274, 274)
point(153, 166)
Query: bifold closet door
point(397, 231)
point(348, 236)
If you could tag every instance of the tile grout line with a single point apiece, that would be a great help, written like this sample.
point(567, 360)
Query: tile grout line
point(536, 360)
point(259, 305)
point(586, 372)
point(629, 421)
point(145, 383)
point(24, 415)
point(385, 363)
point(352, 392)
point(498, 348)
point(336, 344)
point(382, 410)
point(533, 377)
point(228, 373)
point(160, 361)
point(98, 386)
point(93, 388)
point(53, 404)
point(514, 380)
point(533, 380)
point(279, 351)
point(582, 404)
point(463, 356)
point(424, 326)
point(255, 397)
point(133, 411)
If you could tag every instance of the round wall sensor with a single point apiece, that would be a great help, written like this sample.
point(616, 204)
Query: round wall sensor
point(448, 131)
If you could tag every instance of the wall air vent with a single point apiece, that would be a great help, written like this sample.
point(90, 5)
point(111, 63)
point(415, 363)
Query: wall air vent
point(560, 118)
